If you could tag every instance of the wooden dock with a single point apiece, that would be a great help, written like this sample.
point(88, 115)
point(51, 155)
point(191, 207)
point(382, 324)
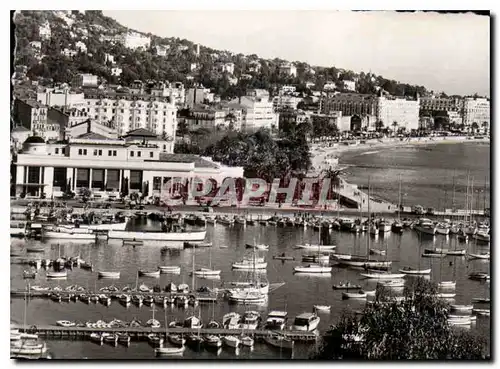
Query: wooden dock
point(201, 297)
point(141, 333)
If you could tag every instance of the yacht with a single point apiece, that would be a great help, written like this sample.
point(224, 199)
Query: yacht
point(276, 320)
point(306, 322)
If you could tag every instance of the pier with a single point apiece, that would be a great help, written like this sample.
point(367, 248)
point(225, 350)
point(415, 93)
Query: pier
point(141, 333)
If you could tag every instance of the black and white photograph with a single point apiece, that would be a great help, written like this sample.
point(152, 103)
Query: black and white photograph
point(194, 185)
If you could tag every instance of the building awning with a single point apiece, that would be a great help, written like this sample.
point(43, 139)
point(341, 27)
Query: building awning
point(31, 184)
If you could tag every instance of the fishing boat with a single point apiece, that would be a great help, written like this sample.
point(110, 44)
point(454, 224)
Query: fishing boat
point(97, 338)
point(411, 271)
point(276, 320)
point(57, 275)
point(231, 320)
point(124, 298)
point(443, 229)
point(247, 297)
point(143, 288)
point(231, 341)
point(105, 300)
point(354, 295)
point(306, 322)
point(313, 268)
point(173, 269)
point(108, 275)
point(212, 341)
point(246, 264)
point(124, 339)
point(149, 274)
point(176, 339)
point(425, 227)
point(346, 286)
point(28, 349)
point(445, 295)
point(154, 339)
point(279, 341)
point(206, 272)
point(169, 351)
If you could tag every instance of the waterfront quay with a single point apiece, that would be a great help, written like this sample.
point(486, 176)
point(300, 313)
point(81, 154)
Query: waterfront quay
point(141, 333)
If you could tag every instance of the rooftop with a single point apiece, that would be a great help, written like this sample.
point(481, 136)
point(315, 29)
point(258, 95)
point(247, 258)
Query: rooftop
point(20, 129)
point(140, 132)
point(92, 136)
point(188, 158)
point(305, 316)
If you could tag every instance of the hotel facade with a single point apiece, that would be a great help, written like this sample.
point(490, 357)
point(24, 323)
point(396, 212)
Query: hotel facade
point(138, 162)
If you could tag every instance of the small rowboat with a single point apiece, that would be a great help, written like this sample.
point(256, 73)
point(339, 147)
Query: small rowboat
point(169, 351)
point(206, 272)
point(149, 274)
point(462, 307)
point(57, 275)
point(382, 275)
point(109, 275)
point(447, 284)
point(445, 295)
point(322, 308)
point(484, 256)
point(354, 295)
point(479, 276)
point(65, 323)
point(415, 271)
point(283, 257)
point(35, 249)
point(174, 269)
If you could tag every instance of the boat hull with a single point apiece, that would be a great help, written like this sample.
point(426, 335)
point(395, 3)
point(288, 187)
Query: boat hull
point(158, 236)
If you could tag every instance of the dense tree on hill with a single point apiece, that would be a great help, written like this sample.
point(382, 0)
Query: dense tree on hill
point(413, 329)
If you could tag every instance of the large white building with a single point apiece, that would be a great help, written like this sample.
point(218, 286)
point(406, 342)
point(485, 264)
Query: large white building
point(257, 113)
point(285, 101)
point(62, 97)
point(134, 40)
point(400, 110)
point(127, 112)
point(134, 163)
point(476, 110)
point(289, 69)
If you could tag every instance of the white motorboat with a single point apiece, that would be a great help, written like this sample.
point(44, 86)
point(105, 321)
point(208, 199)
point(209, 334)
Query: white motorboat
point(153, 323)
point(313, 268)
point(244, 297)
point(382, 275)
point(276, 320)
point(317, 248)
point(445, 295)
point(447, 284)
point(482, 236)
point(460, 321)
point(28, 349)
point(206, 272)
point(231, 341)
point(173, 269)
point(411, 271)
point(306, 322)
point(108, 275)
point(124, 298)
point(97, 338)
point(250, 320)
point(360, 295)
point(57, 275)
point(169, 351)
point(149, 273)
point(192, 322)
point(65, 323)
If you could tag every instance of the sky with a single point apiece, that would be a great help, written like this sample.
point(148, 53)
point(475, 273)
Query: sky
point(443, 52)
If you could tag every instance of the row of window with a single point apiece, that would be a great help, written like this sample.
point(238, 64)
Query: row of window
point(139, 154)
point(97, 152)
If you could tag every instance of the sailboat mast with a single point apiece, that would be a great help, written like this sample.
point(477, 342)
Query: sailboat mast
point(192, 275)
point(466, 200)
point(471, 200)
point(369, 223)
point(399, 199)
point(453, 195)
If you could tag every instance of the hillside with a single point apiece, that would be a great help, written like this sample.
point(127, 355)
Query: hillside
point(94, 30)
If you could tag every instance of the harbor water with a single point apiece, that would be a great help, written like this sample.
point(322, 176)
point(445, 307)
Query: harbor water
point(429, 173)
point(297, 295)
